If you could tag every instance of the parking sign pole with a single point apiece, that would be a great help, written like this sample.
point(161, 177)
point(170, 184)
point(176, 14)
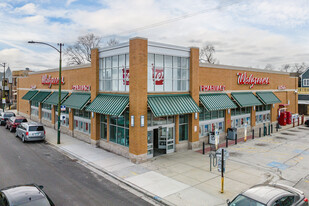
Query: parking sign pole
point(222, 172)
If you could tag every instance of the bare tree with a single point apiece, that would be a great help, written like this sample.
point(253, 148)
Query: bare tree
point(80, 52)
point(112, 42)
point(207, 54)
point(299, 68)
point(285, 68)
point(269, 67)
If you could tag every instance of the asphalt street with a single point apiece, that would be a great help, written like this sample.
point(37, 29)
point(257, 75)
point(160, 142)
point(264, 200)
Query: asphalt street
point(65, 181)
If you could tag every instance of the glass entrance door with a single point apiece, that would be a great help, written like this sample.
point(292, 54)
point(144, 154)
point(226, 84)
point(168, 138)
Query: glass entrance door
point(170, 146)
point(150, 144)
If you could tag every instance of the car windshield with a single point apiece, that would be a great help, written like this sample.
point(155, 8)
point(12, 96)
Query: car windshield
point(241, 200)
point(39, 202)
point(20, 120)
point(36, 128)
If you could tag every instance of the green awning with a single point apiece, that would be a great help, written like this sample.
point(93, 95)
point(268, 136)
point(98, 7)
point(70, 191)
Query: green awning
point(77, 100)
point(167, 105)
point(268, 97)
point(109, 104)
point(29, 94)
point(246, 99)
point(213, 102)
point(54, 98)
point(40, 96)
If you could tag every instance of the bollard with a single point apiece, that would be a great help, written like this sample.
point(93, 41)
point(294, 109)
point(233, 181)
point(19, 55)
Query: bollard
point(236, 139)
point(277, 127)
point(302, 119)
point(293, 122)
point(203, 148)
point(226, 143)
point(252, 133)
point(265, 131)
point(271, 126)
point(222, 170)
point(260, 131)
point(269, 129)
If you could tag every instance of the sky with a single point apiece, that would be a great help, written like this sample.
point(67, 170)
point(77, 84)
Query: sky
point(244, 33)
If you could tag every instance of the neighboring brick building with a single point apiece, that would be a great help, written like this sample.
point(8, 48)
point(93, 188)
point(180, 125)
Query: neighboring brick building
point(141, 99)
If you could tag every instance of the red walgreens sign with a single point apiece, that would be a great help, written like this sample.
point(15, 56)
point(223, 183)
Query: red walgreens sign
point(211, 88)
point(158, 75)
point(251, 80)
point(47, 79)
point(125, 76)
point(81, 87)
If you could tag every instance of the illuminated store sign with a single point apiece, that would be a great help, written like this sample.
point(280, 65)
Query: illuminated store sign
point(158, 75)
point(47, 79)
point(282, 87)
point(243, 78)
point(212, 88)
point(81, 87)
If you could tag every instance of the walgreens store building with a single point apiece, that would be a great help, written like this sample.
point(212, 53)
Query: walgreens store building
point(142, 99)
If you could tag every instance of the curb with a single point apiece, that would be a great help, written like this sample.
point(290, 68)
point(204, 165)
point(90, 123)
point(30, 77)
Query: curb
point(139, 189)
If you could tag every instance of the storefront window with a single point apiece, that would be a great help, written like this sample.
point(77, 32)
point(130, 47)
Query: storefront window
point(154, 121)
point(82, 121)
point(209, 121)
point(119, 129)
point(262, 114)
point(114, 73)
point(103, 126)
point(183, 127)
point(167, 73)
point(241, 111)
point(34, 108)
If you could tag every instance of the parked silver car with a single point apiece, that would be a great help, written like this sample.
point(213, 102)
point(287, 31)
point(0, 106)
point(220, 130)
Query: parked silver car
point(30, 131)
point(270, 195)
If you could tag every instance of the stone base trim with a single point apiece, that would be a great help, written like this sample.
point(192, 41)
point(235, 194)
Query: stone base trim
point(182, 146)
point(23, 114)
point(194, 145)
point(82, 136)
point(114, 148)
point(137, 159)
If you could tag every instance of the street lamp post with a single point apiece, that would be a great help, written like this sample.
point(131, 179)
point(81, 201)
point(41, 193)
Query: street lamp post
point(3, 84)
point(59, 83)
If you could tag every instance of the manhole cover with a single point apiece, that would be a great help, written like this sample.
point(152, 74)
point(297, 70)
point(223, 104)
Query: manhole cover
point(279, 137)
point(285, 133)
point(235, 154)
point(261, 144)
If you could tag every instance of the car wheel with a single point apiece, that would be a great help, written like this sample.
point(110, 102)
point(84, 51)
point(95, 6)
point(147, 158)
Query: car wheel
point(11, 129)
point(16, 135)
point(23, 139)
point(6, 126)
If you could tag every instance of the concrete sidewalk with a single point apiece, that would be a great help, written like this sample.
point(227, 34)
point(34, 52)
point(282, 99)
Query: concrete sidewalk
point(181, 178)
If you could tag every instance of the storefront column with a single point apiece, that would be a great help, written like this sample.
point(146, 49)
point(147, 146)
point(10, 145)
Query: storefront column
point(94, 76)
point(53, 115)
point(40, 112)
point(107, 128)
point(194, 91)
point(138, 99)
point(227, 119)
point(252, 116)
point(177, 129)
point(71, 121)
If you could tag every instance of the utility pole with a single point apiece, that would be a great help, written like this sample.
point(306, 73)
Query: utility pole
point(3, 85)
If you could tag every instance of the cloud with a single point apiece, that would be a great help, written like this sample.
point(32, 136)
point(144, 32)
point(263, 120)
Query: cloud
point(70, 2)
point(26, 9)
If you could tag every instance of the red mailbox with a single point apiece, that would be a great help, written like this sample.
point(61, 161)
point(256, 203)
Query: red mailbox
point(288, 117)
point(282, 118)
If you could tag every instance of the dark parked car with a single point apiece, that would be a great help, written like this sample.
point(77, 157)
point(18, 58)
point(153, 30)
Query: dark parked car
point(24, 195)
point(13, 122)
point(307, 122)
point(270, 195)
point(4, 116)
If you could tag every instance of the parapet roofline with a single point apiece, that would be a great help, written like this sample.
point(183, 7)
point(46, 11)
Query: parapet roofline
point(62, 69)
point(221, 66)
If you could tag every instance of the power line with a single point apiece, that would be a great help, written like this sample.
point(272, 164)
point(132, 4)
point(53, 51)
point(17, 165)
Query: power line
point(185, 16)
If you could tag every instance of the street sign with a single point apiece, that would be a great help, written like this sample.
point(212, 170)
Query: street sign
point(219, 158)
point(3, 100)
point(62, 108)
point(62, 117)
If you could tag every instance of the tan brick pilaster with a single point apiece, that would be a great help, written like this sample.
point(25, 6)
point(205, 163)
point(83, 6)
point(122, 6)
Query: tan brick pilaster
point(177, 129)
point(138, 98)
point(227, 119)
point(94, 75)
point(194, 91)
point(253, 116)
point(40, 112)
point(53, 114)
point(71, 120)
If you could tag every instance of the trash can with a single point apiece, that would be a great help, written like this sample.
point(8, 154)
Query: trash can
point(282, 118)
point(212, 138)
point(288, 117)
point(232, 133)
